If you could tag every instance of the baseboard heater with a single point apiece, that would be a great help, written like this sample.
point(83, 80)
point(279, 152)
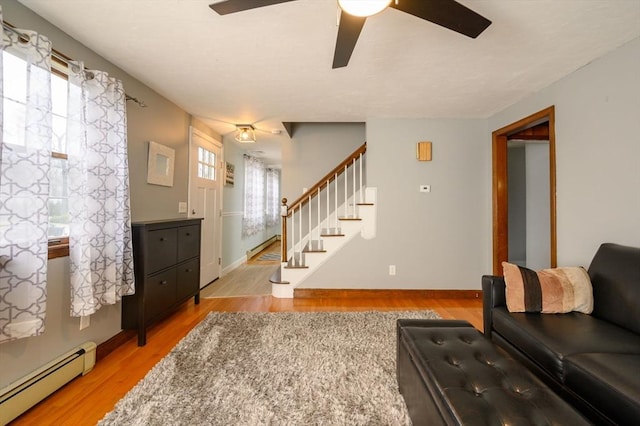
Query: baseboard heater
point(26, 392)
point(257, 249)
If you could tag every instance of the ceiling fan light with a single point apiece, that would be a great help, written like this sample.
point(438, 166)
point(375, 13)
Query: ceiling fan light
point(245, 133)
point(363, 8)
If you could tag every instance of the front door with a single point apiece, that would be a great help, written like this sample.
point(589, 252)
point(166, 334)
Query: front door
point(205, 200)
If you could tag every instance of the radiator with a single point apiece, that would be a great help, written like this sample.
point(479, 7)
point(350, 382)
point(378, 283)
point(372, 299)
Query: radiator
point(257, 249)
point(24, 393)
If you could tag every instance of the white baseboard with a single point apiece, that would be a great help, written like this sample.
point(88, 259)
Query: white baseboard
point(233, 266)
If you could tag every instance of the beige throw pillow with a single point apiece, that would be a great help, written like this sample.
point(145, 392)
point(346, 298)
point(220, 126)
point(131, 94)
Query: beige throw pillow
point(557, 290)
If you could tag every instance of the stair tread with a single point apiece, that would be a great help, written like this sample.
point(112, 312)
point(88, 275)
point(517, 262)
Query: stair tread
point(296, 267)
point(313, 251)
point(276, 278)
point(349, 218)
point(365, 204)
point(332, 235)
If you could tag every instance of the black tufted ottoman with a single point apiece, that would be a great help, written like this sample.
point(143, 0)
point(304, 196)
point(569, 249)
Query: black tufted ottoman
point(450, 374)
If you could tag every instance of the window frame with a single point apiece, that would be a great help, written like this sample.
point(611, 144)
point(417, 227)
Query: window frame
point(59, 247)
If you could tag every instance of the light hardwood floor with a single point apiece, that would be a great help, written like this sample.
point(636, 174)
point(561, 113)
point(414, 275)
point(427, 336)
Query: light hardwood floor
point(249, 279)
point(85, 400)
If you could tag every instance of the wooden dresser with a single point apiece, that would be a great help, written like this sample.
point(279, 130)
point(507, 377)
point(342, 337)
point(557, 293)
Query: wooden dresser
point(167, 271)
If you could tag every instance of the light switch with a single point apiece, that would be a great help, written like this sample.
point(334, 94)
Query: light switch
point(182, 207)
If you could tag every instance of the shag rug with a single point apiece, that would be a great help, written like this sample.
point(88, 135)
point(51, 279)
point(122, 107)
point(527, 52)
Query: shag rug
point(322, 368)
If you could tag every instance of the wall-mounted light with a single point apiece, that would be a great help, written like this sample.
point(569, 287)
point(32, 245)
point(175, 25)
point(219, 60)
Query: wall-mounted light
point(363, 8)
point(245, 133)
point(423, 151)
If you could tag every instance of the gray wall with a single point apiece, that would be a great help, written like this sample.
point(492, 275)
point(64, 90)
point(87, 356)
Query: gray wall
point(314, 150)
point(436, 240)
point(517, 196)
point(538, 219)
point(529, 224)
point(234, 246)
point(162, 122)
point(597, 152)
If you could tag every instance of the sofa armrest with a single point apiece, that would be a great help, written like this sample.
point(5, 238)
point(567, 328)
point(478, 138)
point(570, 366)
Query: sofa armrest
point(492, 296)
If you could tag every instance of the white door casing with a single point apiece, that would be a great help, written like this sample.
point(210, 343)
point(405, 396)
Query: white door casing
point(205, 200)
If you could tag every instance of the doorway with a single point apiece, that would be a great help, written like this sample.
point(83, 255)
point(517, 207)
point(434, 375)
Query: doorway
point(537, 248)
point(205, 200)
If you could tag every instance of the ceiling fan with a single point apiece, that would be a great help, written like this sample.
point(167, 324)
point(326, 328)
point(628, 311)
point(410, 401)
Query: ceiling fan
point(446, 13)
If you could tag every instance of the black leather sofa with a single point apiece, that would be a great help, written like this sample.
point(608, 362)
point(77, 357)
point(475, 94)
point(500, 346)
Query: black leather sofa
point(592, 361)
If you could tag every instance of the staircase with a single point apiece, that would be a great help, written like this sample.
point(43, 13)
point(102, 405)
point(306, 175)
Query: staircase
point(323, 220)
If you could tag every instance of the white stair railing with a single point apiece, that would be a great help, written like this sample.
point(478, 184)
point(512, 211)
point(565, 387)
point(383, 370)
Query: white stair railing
point(322, 221)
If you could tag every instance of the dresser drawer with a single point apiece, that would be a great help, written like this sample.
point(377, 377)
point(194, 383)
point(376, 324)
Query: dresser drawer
point(163, 248)
point(188, 279)
point(160, 293)
point(167, 271)
point(188, 242)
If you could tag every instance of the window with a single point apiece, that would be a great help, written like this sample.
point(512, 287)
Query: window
point(261, 197)
point(206, 164)
point(253, 219)
point(14, 110)
point(273, 197)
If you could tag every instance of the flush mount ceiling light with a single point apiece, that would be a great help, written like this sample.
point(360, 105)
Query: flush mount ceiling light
point(245, 133)
point(363, 8)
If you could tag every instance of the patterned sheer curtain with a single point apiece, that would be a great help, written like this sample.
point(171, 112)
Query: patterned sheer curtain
point(273, 197)
point(253, 219)
point(25, 156)
point(100, 248)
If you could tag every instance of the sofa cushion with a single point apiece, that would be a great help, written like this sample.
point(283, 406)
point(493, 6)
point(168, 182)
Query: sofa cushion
point(550, 291)
point(609, 382)
point(548, 339)
point(615, 277)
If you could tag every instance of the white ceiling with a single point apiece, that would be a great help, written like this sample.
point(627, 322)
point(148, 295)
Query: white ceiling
point(273, 64)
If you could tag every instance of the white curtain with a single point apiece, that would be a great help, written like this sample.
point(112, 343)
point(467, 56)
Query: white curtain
point(253, 219)
point(100, 223)
point(273, 197)
point(25, 156)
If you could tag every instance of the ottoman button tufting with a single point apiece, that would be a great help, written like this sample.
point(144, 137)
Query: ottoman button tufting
point(437, 395)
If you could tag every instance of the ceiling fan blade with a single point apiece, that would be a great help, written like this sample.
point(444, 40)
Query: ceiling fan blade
point(348, 33)
point(446, 13)
point(233, 6)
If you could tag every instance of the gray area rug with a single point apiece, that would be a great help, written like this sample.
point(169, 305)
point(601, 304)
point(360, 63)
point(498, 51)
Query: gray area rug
point(322, 368)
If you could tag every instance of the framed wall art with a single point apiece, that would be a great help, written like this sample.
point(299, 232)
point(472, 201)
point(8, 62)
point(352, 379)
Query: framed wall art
point(229, 173)
point(160, 165)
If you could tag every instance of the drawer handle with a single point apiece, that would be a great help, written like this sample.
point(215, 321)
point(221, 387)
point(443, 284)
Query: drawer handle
point(163, 282)
point(187, 270)
point(161, 238)
point(188, 234)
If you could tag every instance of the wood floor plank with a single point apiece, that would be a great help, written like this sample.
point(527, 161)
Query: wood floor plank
point(85, 400)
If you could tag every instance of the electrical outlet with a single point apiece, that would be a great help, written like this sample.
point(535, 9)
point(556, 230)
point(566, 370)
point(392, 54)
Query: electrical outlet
point(182, 207)
point(392, 269)
point(425, 188)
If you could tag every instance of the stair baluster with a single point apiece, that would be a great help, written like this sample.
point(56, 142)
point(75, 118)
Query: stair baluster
point(319, 223)
point(354, 212)
point(335, 209)
point(284, 212)
point(361, 187)
point(346, 204)
point(328, 221)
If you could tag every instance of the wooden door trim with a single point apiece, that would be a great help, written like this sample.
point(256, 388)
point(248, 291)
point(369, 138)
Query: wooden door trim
point(500, 188)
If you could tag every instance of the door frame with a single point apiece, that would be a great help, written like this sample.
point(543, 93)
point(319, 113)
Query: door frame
point(220, 172)
point(500, 185)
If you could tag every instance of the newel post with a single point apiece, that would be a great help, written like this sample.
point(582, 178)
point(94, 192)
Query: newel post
point(284, 212)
